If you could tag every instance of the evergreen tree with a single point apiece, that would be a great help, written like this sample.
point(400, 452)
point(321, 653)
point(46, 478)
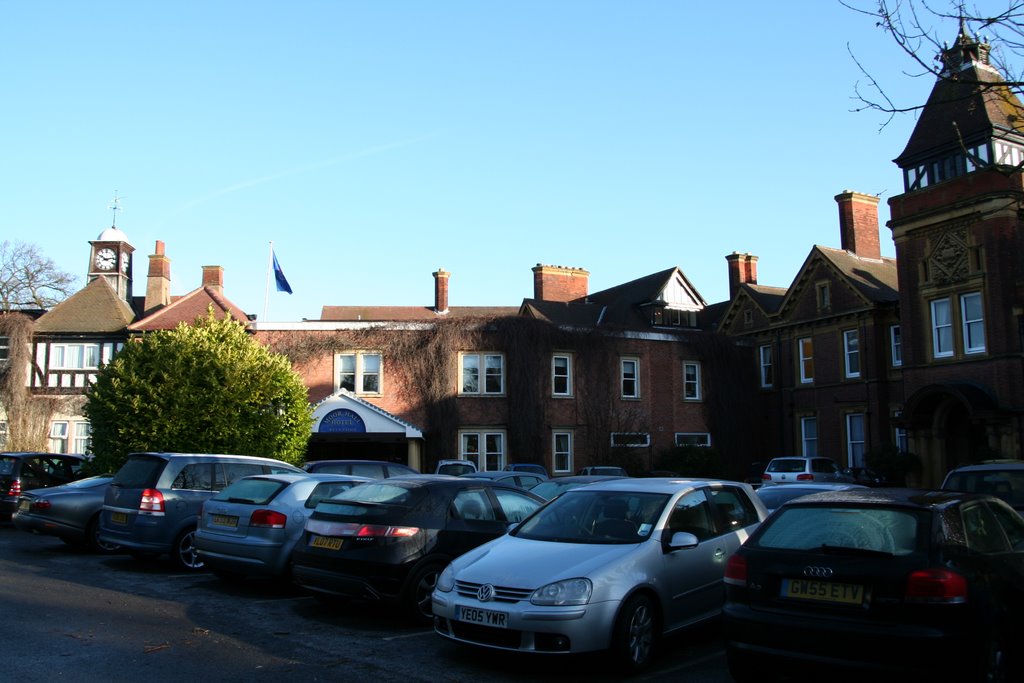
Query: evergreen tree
point(207, 387)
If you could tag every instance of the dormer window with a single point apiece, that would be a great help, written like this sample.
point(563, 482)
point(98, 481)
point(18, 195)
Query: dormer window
point(672, 317)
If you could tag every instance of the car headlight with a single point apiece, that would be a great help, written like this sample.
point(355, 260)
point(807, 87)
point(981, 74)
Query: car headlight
point(567, 592)
point(446, 582)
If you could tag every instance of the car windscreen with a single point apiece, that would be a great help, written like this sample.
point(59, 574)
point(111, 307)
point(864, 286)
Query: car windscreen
point(252, 491)
point(787, 465)
point(328, 489)
point(139, 472)
point(894, 531)
point(581, 516)
point(550, 489)
point(775, 496)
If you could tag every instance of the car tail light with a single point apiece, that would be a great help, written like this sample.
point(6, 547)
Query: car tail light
point(15, 488)
point(736, 571)
point(936, 586)
point(766, 476)
point(40, 504)
point(270, 519)
point(152, 502)
point(381, 531)
point(806, 476)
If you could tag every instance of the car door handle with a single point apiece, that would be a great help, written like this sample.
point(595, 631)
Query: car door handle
point(719, 553)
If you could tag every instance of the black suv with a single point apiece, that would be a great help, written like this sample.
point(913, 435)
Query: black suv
point(24, 471)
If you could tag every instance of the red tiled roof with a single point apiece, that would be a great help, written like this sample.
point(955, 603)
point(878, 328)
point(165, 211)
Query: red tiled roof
point(188, 308)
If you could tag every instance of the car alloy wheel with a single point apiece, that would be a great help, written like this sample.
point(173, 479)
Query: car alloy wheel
point(422, 588)
point(635, 633)
point(185, 554)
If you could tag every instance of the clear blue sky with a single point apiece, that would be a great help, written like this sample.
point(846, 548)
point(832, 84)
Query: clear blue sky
point(374, 142)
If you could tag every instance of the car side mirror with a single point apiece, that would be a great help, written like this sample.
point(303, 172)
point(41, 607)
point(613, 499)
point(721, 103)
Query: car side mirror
point(681, 539)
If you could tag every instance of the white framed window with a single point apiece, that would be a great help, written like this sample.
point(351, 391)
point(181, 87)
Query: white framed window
point(82, 438)
point(973, 316)
point(486, 448)
point(942, 329)
point(855, 439)
point(3, 435)
point(561, 450)
point(561, 375)
point(896, 345)
point(702, 439)
point(805, 346)
point(691, 381)
point(359, 372)
point(809, 436)
point(74, 356)
point(59, 437)
point(630, 377)
point(631, 439)
point(851, 352)
point(748, 317)
point(902, 443)
point(5, 349)
point(767, 369)
point(482, 374)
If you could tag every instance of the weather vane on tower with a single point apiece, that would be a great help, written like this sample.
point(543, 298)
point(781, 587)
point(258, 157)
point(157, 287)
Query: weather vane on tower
point(115, 206)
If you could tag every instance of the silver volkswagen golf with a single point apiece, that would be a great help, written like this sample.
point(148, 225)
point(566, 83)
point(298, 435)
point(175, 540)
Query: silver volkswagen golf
point(610, 566)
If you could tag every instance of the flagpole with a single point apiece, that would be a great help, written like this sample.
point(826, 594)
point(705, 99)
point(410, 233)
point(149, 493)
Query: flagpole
point(266, 295)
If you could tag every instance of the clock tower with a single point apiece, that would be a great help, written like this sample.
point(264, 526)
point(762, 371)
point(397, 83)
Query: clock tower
point(111, 258)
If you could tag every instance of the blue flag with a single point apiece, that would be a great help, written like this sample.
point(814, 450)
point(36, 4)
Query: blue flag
point(282, 281)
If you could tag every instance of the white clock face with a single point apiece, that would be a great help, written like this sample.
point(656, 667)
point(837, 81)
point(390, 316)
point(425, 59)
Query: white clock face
point(125, 260)
point(105, 259)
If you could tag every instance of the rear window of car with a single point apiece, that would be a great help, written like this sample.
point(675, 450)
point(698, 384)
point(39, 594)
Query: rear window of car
point(254, 491)
point(376, 500)
point(787, 465)
point(328, 489)
point(1005, 484)
point(139, 472)
point(7, 465)
point(881, 529)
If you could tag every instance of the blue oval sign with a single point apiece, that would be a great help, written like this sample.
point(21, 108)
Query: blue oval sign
point(342, 420)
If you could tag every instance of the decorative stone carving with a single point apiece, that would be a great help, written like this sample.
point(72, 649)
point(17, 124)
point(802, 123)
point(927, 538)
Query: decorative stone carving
point(948, 260)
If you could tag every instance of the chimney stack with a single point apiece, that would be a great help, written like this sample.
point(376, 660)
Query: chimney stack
point(158, 281)
point(213, 277)
point(441, 290)
point(742, 270)
point(858, 224)
point(560, 283)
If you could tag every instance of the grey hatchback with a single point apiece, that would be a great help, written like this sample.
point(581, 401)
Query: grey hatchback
point(152, 505)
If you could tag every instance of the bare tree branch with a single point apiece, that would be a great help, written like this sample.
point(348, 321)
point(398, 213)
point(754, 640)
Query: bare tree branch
point(30, 280)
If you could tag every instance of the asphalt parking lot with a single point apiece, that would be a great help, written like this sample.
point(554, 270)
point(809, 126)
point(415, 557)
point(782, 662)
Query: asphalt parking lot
point(87, 617)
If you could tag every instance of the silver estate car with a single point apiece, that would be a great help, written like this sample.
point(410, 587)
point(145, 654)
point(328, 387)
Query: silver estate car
point(613, 565)
point(251, 527)
point(152, 505)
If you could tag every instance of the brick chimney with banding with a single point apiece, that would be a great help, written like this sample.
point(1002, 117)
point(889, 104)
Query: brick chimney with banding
point(742, 270)
point(560, 283)
point(158, 280)
point(441, 290)
point(858, 224)
point(213, 277)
